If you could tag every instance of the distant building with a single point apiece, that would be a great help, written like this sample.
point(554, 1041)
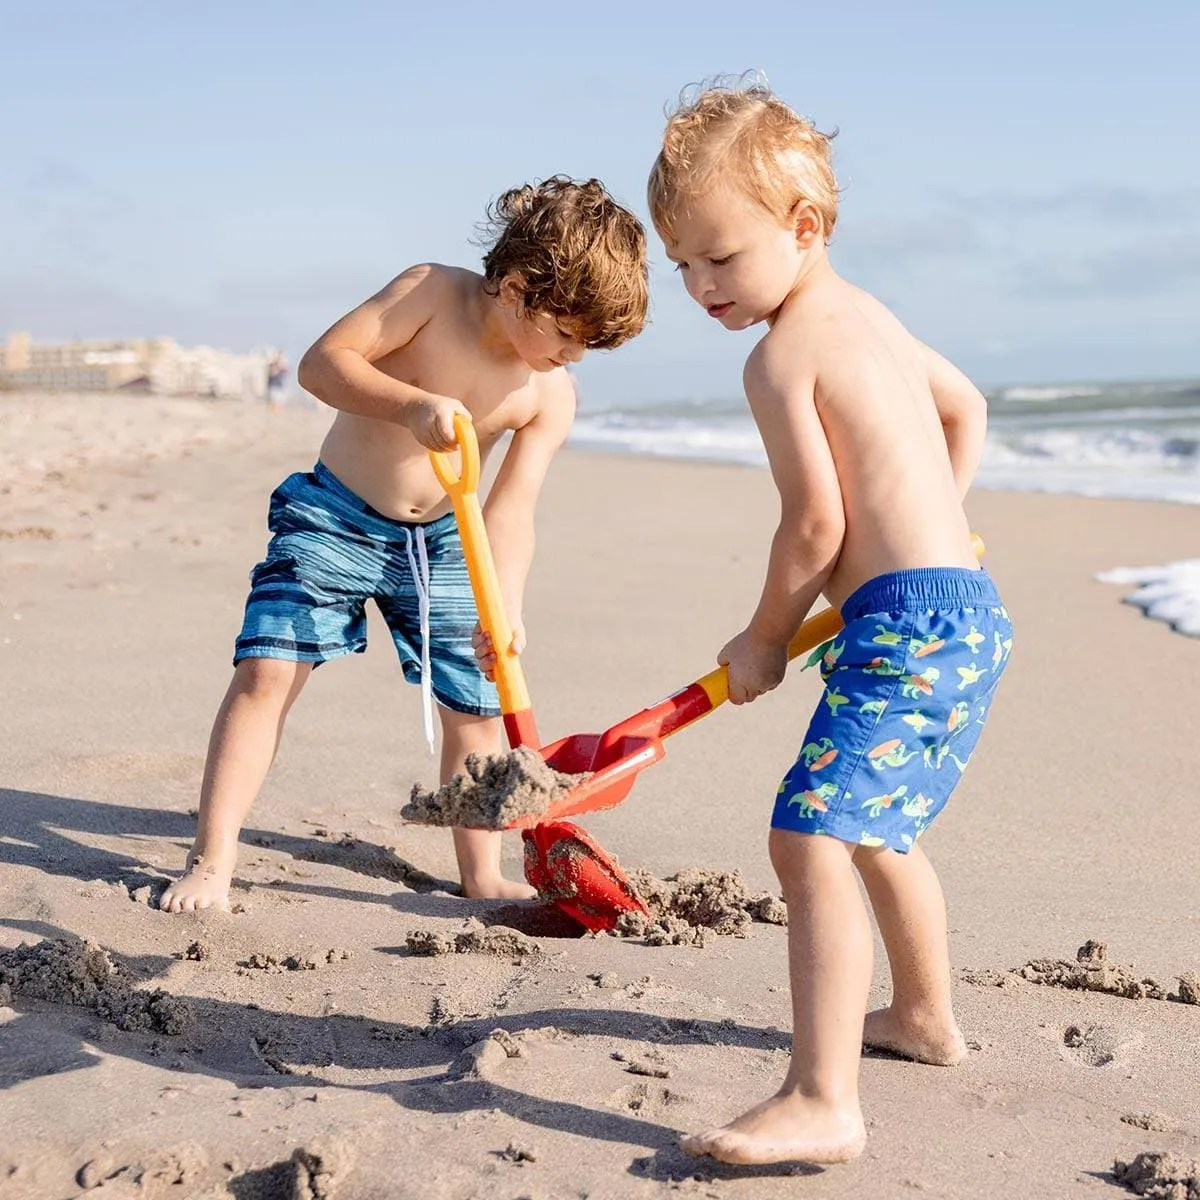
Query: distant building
point(157, 365)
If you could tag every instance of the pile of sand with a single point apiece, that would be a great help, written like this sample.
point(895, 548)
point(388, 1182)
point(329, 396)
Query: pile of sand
point(688, 905)
point(473, 938)
point(1160, 1176)
point(81, 973)
point(497, 790)
point(1093, 971)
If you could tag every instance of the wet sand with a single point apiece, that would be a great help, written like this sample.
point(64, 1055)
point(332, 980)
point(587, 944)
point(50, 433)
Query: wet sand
point(349, 1034)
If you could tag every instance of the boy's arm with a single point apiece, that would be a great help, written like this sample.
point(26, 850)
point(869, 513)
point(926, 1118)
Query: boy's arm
point(338, 368)
point(812, 521)
point(963, 413)
point(509, 510)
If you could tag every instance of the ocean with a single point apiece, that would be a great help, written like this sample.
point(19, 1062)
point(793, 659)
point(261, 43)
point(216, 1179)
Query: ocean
point(1129, 440)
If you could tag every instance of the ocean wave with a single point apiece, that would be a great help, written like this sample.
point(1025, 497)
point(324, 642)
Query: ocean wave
point(1040, 395)
point(1150, 460)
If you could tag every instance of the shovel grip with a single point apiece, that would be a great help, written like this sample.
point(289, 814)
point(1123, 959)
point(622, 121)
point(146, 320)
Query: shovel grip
point(462, 488)
point(810, 635)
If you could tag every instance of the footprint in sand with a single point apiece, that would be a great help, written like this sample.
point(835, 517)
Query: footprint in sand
point(1098, 1045)
point(643, 1098)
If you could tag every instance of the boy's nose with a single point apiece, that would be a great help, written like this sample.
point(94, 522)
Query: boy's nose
point(698, 286)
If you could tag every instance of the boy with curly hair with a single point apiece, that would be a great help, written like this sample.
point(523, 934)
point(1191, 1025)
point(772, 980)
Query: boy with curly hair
point(565, 273)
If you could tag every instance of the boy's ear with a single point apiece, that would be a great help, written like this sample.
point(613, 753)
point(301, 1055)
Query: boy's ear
point(806, 222)
point(512, 292)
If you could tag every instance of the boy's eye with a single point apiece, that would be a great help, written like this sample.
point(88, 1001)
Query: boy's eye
point(681, 266)
point(720, 262)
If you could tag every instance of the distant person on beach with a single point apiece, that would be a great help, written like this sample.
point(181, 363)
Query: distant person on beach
point(565, 273)
point(872, 439)
point(277, 374)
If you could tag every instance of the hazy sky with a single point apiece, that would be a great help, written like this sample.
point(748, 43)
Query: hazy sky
point(1022, 182)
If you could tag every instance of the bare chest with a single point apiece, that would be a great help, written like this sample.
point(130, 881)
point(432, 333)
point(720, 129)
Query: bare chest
point(498, 398)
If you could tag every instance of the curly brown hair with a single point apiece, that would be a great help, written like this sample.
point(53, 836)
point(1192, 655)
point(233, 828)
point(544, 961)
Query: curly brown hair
point(579, 256)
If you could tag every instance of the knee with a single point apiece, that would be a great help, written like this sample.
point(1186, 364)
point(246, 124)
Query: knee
point(789, 853)
point(464, 734)
point(268, 680)
point(798, 857)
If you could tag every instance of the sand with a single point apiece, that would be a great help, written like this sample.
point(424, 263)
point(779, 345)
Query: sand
point(64, 971)
point(1160, 1177)
point(687, 906)
point(1075, 823)
point(496, 791)
point(1092, 971)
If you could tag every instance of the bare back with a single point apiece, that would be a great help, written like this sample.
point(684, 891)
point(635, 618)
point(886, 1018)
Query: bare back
point(873, 397)
point(381, 461)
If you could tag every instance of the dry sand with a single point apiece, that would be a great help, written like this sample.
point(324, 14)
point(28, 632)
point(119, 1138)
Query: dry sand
point(323, 1056)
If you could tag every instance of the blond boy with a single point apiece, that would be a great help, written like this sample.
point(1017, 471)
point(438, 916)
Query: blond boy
point(565, 273)
point(872, 439)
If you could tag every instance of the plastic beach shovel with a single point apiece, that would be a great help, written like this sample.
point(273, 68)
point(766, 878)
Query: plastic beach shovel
point(566, 865)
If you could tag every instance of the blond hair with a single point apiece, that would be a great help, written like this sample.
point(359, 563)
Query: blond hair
point(578, 255)
point(739, 132)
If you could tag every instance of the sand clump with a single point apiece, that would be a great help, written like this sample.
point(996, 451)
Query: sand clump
point(178, 1167)
point(315, 1172)
point(496, 790)
point(1093, 971)
point(1154, 1122)
point(689, 905)
point(312, 1172)
point(82, 973)
point(473, 938)
point(1160, 1176)
point(1189, 988)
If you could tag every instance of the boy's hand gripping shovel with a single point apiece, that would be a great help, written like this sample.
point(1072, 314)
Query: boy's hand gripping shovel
point(565, 865)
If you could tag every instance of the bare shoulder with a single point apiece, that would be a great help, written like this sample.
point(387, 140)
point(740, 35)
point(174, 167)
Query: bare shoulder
point(434, 283)
point(784, 362)
point(554, 401)
point(868, 304)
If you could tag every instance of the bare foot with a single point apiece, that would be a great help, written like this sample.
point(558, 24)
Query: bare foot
point(939, 1045)
point(497, 888)
point(786, 1128)
point(205, 884)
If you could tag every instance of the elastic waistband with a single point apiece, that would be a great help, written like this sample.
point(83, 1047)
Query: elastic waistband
point(332, 483)
point(922, 588)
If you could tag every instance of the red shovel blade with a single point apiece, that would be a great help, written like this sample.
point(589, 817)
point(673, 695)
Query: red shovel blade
point(571, 870)
point(605, 786)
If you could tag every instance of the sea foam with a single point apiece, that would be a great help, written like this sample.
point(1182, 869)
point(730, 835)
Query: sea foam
point(1169, 593)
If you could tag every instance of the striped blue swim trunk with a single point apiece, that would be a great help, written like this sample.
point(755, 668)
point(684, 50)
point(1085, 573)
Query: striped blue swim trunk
point(908, 683)
point(332, 552)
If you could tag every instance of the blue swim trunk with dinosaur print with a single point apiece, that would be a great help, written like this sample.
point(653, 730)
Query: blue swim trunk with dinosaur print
point(908, 683)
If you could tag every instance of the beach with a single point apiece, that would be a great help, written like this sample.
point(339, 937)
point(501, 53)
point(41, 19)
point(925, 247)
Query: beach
point(313, 1049)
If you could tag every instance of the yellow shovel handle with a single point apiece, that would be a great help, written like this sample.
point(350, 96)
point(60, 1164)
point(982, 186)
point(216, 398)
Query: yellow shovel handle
point(462, 487)
point(810, 635)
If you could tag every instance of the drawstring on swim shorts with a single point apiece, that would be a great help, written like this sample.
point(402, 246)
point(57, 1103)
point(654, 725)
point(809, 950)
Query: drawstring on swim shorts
point(421, 582)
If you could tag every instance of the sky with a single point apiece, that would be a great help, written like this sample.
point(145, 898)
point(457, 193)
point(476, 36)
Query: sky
point(1021, 181)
